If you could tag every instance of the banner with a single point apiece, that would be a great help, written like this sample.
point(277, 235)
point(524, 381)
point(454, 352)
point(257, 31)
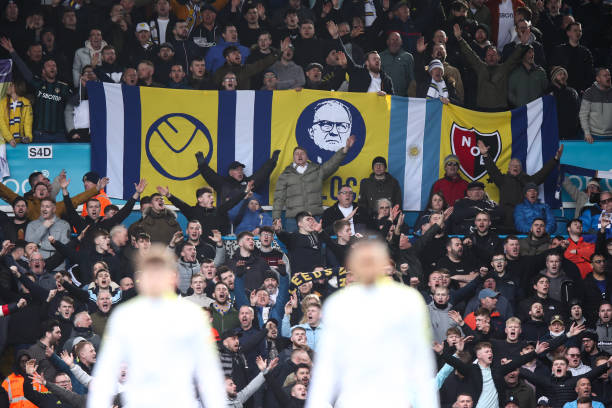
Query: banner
point(6, 69)
point(154, 133)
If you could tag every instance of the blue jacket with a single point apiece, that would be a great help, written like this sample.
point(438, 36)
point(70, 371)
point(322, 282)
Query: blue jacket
point(590, 221)
point(525, 213)
point(215, 58)
point(574, 404)
point(277, 311)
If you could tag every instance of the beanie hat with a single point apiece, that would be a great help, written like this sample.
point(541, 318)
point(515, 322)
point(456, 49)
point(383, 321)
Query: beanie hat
point(379, 159)
point(555, 70)
point(435, 63)
point(451, 158)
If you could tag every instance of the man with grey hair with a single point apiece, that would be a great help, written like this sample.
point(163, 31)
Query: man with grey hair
point(331, 125)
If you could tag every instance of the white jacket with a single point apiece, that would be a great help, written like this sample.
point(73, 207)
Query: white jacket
point(375, 350)
point(167, 346)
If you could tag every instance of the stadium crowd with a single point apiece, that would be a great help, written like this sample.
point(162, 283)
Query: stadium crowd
point(517, 321)
point(486, 55)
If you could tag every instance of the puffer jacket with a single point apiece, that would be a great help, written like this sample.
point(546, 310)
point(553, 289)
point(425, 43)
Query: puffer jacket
point(302, 192)
point(185, 271)
point(530, 246)
point(526, 212)
point(596, 111)
point(160, 226)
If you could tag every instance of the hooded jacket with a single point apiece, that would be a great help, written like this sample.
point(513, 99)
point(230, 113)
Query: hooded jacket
point(596, 111)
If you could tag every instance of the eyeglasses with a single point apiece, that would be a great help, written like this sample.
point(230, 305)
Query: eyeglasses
point(598, 261)
point(605, 201)
point(327, 126)
point(346, 192)
point(573, 355)
point(229, 80)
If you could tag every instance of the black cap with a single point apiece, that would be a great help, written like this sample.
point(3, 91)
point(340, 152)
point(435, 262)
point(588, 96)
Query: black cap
point(399, 4)
point(271, 275)
point(589, 334)
point(167, 45)
point(91, 176)
point(379, 159)
point(207, 6)
point(231, 333)
point(530, 186)
point(234, 165)
point(475, 184)
point(483, 27)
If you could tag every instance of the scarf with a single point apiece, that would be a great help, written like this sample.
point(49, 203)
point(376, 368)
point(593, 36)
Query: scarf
point(300, 278)
point(15, 112)
point(437, 89)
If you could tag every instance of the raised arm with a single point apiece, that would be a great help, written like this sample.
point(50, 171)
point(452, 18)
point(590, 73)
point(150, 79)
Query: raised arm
point(21, 66)
point(209, 175)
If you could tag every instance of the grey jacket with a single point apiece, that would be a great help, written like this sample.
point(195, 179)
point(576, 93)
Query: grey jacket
point(289, 76)
point(604, 332)
point(297, 192)
point(36, 232)
point(580, 197)
point(247, 391)
point(596, 111)
point(440, 322)
point(185, 271)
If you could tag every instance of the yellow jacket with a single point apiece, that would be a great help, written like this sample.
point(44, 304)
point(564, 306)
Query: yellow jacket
point(23, 127)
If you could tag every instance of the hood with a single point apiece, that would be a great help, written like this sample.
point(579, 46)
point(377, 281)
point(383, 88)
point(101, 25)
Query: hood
point(16, 367)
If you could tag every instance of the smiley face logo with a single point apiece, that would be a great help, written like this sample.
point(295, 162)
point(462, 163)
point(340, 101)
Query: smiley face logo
point(172, 141)
point(324, 127)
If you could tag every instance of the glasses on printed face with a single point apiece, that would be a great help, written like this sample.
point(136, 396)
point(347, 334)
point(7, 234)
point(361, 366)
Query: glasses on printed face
point(327, 126)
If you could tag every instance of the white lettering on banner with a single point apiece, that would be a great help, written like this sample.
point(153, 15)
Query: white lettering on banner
point(465, 141)
point(40, 152)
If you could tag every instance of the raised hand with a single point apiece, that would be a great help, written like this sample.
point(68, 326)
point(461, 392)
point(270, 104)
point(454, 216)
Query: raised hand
point(176, 238)
point(341, 57)
point(394, 212)
point(51, 295)
point(461, 343)
point(51, 239)
point(455, 316)
point(288, 308)
point(102, 183)
point(285, 44)
point(82, 234)
point(249, 186)
point(7, 44)
point(352, 214)
point(15, 271)
point(261, 363)
point(163, 191)
point(448, 212)
point(64, 182)
point(253, 297)
point(484, 150)
point(457, 31)
point(37, 378)
point(575, 329)
point(277, 225)
point(216, 237)
point(272, 364)
point(421, 45)
point(541, 347)
point(7, 246)
point(317, 226)
point(21, 303)
point(140, 187)
point(67, 358)
point(438, 347)
point(332, 29)
point(349, 143)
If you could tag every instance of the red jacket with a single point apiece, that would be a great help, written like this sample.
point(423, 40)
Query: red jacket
point(451, 189)
point(494, 9)
point(580, 254)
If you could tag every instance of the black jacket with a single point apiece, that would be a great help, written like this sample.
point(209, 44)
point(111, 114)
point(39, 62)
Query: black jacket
point(359, 76)
point(462, 219)
point(561, 389)
point(474, 373)
point(568, 107)
point(333, 213)
point(372, 189)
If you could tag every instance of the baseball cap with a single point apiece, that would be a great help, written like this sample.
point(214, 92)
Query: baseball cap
point(486, 292)
point(530, 186)
point(231, 333)
point(234, 165)
point(476, 184)
point(142, 27)
point(557, 318)
point(314, 65)
point(167, 45)
point(77, 340)
point(543, 400)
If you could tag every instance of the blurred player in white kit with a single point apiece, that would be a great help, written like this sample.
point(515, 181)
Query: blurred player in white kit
point(375, 350)
point(165, 343)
